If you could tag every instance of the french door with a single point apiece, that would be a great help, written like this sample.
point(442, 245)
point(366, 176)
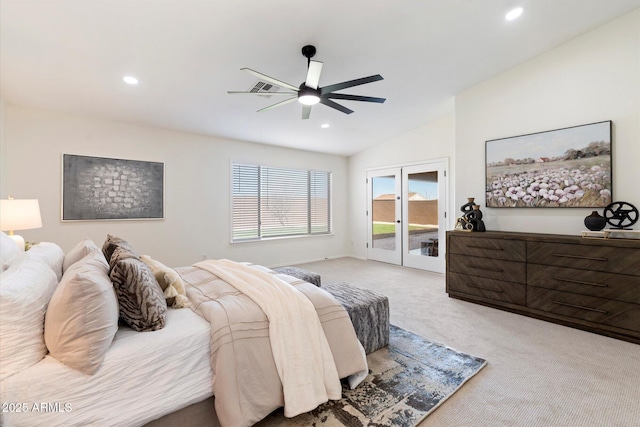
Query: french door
point(384, 215)
point(406, 215)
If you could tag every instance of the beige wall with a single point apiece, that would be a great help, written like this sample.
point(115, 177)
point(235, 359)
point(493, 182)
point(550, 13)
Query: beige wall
point(593, 78)
point(434, 140)
point(3, 155)
point(589, 79)
point(197, 187)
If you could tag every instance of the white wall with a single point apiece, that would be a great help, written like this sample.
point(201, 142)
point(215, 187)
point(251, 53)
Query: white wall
point(593, 78)
point(434, 140)
point(197, 187)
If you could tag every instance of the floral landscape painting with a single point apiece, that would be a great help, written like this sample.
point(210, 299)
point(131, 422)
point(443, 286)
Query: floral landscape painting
point(568, 167)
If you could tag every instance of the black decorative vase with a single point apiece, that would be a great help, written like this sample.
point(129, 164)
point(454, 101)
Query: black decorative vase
point(595, 222)
point(468, 207)
point(474, 217)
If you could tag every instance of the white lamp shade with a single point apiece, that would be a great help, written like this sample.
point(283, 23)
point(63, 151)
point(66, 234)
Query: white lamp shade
point(19, 214)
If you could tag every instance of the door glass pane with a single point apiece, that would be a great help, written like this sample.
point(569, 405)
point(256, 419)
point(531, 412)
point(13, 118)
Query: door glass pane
point(423, 213)
point(383, 212)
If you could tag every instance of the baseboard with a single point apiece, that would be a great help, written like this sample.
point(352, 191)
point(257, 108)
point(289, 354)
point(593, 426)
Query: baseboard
point(307, 261)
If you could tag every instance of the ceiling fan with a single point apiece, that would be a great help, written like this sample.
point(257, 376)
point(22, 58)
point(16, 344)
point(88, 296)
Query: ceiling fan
point(308, 93)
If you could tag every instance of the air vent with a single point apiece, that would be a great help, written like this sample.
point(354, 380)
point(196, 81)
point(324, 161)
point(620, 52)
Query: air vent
point(265, 88)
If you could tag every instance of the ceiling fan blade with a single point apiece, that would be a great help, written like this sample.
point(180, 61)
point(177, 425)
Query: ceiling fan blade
point(306, 111)
point(313, 74)
point(330, 103)
point(354, 97)
point(270, 79)
point(233, 92)
point(350, 83)
point(278, 104)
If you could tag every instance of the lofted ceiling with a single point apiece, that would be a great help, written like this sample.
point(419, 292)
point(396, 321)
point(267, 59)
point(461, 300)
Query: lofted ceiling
point(71, 55)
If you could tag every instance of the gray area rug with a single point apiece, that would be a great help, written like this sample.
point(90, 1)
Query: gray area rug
point(408, 380)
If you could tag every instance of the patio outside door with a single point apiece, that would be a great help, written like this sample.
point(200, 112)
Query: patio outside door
point(406, 217)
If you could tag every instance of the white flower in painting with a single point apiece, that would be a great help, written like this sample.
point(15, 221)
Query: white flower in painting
point(596, 168)
point(605, 194)
point(496, 184)
point(527, 198)
point(502, 200)
point(534, 189)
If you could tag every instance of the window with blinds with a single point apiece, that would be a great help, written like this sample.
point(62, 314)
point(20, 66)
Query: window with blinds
point(272, 202)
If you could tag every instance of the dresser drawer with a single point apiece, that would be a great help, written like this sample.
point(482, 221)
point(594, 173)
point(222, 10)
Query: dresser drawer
point(592, 309)
point(514, 293)
point(588, 257)
point(595, 283)
point(508, 271)
point(511, 250)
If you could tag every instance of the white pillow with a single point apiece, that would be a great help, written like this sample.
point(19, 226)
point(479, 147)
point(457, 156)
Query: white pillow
point(79, 251)
point(9, 250)
point(25, 290)
point(48, 253)
point(82, 318)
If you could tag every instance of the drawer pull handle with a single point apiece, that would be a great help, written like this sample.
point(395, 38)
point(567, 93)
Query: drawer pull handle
point(486, 289)
point(580, 282)
point(581, 257)
point(481, 267)
point(580, 307)
point(482, 247)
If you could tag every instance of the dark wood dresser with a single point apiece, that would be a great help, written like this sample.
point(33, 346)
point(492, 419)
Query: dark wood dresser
point(591, 284)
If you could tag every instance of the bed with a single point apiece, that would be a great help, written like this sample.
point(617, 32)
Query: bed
point(178, 361)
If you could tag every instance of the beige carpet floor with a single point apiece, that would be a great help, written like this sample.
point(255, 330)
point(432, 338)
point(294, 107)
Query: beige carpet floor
point(538, 373)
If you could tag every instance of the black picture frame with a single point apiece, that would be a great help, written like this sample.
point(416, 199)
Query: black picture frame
point(100, 188)
point(562, 168)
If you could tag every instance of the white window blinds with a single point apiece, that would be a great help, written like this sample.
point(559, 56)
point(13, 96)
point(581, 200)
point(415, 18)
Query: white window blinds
point(272, 202)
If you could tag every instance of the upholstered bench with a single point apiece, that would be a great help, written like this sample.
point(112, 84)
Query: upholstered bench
point(300, 273)
point(369, 313)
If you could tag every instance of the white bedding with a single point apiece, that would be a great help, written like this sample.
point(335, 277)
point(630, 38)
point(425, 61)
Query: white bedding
point(300, 349)
point(144, 375)
point(246, 381)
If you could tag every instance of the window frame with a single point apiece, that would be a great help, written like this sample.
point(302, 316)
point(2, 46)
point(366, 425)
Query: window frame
point(260, 237)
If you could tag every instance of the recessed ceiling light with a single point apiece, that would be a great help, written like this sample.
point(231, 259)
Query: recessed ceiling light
point(130, 80)
point(514, 14)
point(325, 125)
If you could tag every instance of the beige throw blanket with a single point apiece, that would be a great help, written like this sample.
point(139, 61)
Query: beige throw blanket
point(300, 349)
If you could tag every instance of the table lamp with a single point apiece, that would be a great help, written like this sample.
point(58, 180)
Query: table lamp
point(19, 214)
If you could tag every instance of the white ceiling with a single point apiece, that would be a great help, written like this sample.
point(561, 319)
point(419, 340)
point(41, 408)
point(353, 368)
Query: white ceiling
point(71, 55)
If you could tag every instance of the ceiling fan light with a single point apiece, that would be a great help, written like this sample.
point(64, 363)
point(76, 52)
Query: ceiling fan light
point(308, 96)
point(309, 99)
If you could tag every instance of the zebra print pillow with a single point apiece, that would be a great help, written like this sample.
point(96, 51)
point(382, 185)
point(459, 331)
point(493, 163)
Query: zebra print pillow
point(112, 243)
point(141, 301)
